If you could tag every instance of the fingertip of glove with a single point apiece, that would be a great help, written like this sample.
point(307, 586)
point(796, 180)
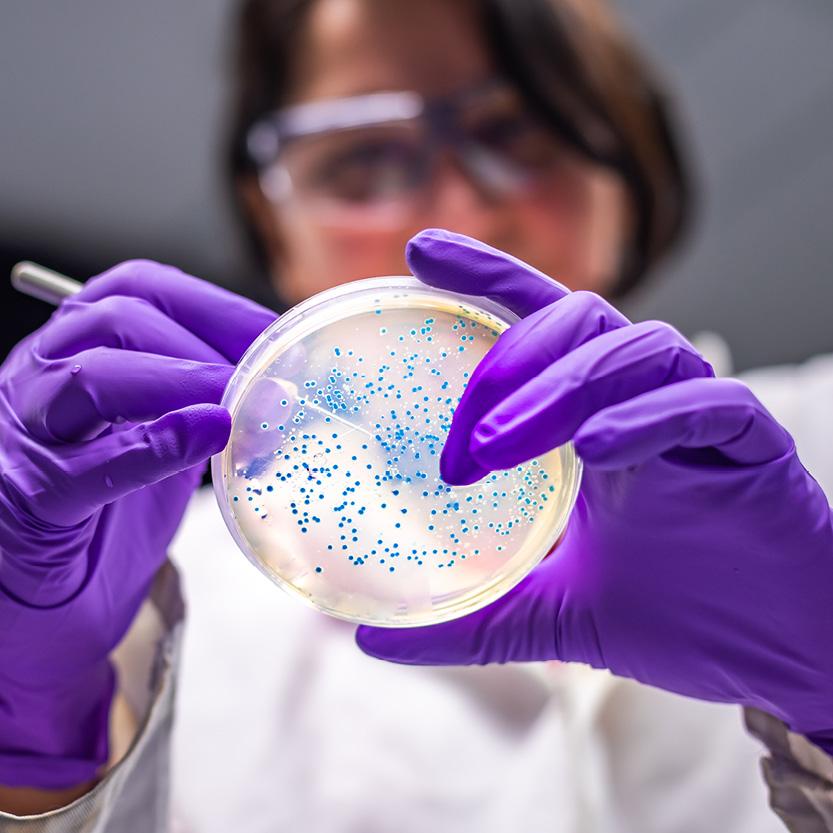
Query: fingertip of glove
point(430, 249)
point(424, 645)
point(404, 646)
point(420, 251)
point(586, 446)
point(598, 448)
point(194, 433)
point(216, 423)
point(425, 239)
point(371, 641)
point(460, 469)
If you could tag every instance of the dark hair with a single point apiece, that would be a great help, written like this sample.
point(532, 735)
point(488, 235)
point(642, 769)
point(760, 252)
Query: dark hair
point(573, 62)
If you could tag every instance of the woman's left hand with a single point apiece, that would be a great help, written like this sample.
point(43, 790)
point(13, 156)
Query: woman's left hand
point(699, 556)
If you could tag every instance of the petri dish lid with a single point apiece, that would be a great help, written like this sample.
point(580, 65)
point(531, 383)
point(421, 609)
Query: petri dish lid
point(330, 481)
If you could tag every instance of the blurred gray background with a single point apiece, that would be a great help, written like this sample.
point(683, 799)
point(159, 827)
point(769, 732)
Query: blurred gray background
point(110, 118)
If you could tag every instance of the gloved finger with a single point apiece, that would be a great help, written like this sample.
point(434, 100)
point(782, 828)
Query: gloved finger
point(521, 353)
point(101, 471)
point(458, 263)
point(518, 627)
point(225, 321)
point(76, 398)
point(697, 413)
point(124, 322)
point(614, 367)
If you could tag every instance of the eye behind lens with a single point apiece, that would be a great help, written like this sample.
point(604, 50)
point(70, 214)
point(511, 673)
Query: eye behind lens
point(366, 169)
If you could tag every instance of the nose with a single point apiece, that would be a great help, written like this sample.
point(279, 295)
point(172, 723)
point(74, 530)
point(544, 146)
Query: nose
point(460, 203)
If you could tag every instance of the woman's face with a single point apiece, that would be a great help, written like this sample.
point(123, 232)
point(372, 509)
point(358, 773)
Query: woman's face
point(569, 222)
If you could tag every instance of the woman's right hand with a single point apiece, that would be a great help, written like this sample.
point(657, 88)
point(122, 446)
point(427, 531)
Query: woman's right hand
point(107, 415)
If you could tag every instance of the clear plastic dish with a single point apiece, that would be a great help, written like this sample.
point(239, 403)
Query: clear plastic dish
point(330, 482)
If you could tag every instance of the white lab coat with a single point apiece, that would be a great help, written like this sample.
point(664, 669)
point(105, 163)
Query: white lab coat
point(283, 724)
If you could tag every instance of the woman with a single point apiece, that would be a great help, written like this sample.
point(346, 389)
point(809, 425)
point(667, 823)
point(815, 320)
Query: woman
point(534, 127)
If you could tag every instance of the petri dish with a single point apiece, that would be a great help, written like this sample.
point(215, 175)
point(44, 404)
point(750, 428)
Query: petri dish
point(330, 482)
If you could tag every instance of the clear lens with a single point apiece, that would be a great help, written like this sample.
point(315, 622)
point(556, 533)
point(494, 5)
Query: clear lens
point(377, 172)
point(500, 123)
point(359, 166)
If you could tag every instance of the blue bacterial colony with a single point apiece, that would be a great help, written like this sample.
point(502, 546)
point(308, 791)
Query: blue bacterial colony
point(332, 472)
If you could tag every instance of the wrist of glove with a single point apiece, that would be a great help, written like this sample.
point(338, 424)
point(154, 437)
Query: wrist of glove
point(56, 683)
point(54, 715)
point(824, 740)
point(55, 735)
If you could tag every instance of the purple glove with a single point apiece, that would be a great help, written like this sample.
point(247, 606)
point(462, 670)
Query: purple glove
point(699, 557)
point(107, 414)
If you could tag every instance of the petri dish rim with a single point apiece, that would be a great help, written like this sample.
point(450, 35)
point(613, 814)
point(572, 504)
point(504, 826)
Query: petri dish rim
point(307, 312)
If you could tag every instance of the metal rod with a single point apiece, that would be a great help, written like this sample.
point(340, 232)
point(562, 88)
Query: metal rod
point(42, 283)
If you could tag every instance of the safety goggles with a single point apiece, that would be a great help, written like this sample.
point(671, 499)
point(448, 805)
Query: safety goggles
point(369, 158)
